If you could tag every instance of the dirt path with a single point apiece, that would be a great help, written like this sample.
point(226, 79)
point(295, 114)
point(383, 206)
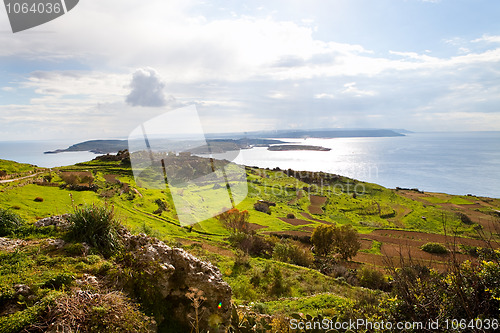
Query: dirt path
point(20, 178)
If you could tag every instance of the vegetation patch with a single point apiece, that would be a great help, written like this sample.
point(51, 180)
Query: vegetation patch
point(435, 248)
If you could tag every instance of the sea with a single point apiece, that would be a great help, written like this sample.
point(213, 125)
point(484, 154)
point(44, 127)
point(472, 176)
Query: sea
point(448, 162)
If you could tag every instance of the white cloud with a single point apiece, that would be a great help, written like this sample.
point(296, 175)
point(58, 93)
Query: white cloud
point(488, 39)
point(324, 96)
point(351, 89)
point(146, 89)
point(260, 69)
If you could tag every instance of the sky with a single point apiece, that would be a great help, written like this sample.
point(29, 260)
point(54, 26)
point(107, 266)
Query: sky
point(105, 67)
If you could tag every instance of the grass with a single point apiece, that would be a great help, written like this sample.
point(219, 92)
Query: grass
point(11, 167)
point(275, 286)
point(96, 226)
point(375, 248)
point(10, 222)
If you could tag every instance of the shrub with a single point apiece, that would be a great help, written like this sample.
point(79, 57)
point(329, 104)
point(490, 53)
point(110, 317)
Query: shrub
point(262, 207)
point(467, 291)
point(322, 238)
point(10, 222)
point(38, 199)
point(343, 240)
point(291, 252)
point(464, 218)
point(346, 241)
point(290, 216)
point(435, 248)
point(371, 278)
point(252, 243)
point(278, 285)
point(235, 221)
point(96, 226)
point(86, 312)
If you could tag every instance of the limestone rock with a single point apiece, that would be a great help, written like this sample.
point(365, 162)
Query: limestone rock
point(181, 276)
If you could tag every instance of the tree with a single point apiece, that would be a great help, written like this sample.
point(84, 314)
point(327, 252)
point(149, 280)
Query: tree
point(342, 240)
point(345, 241)
point(235, 220)
point(322, 239)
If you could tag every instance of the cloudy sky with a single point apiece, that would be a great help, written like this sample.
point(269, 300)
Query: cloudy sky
point(107, 66)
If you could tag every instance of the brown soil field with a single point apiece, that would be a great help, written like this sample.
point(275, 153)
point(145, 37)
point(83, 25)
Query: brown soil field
point(111, 179)
point(254, 226)
point(294, 221)
point(308, 216)
point(316, 203)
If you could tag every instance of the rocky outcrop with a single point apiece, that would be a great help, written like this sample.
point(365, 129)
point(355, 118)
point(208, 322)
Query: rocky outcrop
point(175, 286)
point(185, 284)
point(59, 221)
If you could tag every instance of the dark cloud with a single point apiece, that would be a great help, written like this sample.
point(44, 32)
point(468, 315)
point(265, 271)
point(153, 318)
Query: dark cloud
point(147, 89)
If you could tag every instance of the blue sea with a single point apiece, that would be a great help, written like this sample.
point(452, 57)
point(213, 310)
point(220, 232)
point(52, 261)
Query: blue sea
point(454, 163)
point(32, 152)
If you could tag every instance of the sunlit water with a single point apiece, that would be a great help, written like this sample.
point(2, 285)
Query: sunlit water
point(455, 163)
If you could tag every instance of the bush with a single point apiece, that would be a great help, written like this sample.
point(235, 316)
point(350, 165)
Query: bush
point(86, 312)
point(10, 222)
point(262, 207)
point(346, 241)
point(435, 248)
point(252, 243)
point(97, 227)
point(322, 238)
point(293, 253)
point(278, 285)
point(342, 240)
point(467, 291)
point(371, 278)
point(464, 218)
point(235, 221)
point(290, 216)
point(38, 199)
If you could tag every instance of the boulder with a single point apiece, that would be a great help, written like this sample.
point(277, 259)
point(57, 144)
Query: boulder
point(184, 282)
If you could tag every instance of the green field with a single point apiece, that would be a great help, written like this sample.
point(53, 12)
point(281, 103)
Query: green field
point(262, 282)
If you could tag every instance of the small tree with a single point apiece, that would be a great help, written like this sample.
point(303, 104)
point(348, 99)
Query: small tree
point(345, 241)
point(342, 240)
point(322, 239)
point(235, 221)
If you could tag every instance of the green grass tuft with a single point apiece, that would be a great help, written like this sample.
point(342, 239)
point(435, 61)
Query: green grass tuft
point(96, 226)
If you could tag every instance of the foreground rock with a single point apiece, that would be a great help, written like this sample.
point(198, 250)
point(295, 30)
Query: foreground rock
point(184, 285)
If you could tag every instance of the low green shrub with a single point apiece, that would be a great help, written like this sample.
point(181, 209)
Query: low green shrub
point(435, 248)
point(291, 252)
point(371, 278)
point(10, 222)
point(59, 281)
point(96, 226)
point(252, 243)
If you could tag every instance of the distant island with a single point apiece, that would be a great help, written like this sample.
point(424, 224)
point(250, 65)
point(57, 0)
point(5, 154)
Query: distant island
point(297, 147)
point(221, 143)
